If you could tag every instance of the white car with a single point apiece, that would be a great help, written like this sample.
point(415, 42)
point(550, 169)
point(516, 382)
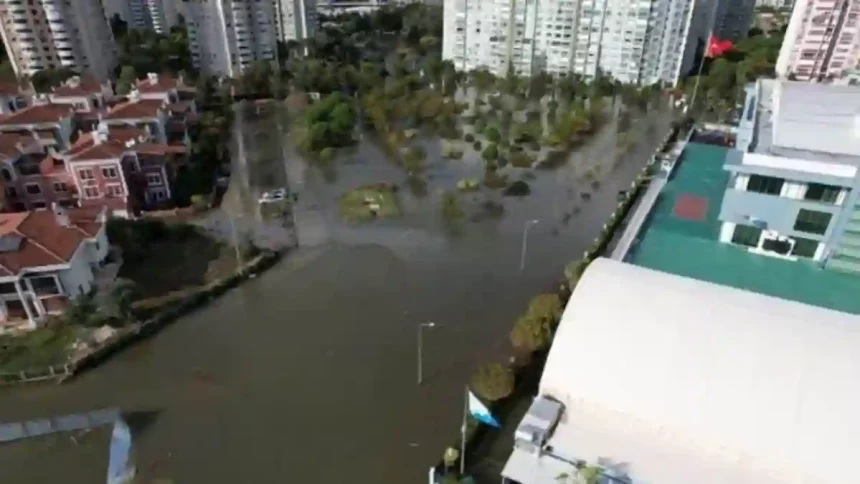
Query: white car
point(272, 196)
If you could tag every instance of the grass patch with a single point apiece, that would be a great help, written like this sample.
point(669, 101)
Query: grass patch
point(179, 263)
point(368, 202)
point(36, 349)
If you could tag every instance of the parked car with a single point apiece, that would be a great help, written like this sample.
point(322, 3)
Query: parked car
point(273, 196)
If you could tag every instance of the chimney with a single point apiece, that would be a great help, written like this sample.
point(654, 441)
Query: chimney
point(60, 215)
point(153, 78)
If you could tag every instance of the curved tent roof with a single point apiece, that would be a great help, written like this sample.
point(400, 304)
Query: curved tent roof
point(675, 380)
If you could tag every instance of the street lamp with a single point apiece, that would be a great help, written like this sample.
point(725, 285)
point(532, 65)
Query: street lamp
point(526, 227)
point(421, 349)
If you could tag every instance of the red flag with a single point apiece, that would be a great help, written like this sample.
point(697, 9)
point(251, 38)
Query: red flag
point(717, 47)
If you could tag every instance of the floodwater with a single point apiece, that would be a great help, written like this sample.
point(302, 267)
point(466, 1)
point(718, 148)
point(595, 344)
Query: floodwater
point(308, 372)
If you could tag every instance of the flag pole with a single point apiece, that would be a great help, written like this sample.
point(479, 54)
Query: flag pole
point(699, 73)
point(463, 433)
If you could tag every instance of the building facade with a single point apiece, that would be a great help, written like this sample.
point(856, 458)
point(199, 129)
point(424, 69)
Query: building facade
point(793, 190)
point(733, 19)
point(227, 37)
point(639, 42)
point(822, 40)
point(52, 34)
point(296, 19)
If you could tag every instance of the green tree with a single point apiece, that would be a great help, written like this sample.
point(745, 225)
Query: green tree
point(492, 134)
point(533, 330)
point(123, 295)
point(493, 382)
point(83, 310)
point(491, 153)
point(126, 79)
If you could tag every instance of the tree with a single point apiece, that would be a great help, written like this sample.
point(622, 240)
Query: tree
point(45, 79)
point(126, 79)
point(533, 330)
point(493, 382)
point(491, 153)
point(82, 310)
point(123, 295)
point(492, 134)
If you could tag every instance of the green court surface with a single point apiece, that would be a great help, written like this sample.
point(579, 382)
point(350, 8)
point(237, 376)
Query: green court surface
point(689, 246)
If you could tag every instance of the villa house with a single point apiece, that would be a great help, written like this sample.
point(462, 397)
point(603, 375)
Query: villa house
point(47, 258)
point(34, 176)
point(51, 124)
point(15, 96)
point(84, 93)
point(124, 168)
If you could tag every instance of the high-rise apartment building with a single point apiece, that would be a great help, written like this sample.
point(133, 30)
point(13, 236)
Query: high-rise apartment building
point(822, 40)
point(733, 19)
point(296, 19)
point(51, 34)
point(157, 15)
point(227, 36)
point(636, 41)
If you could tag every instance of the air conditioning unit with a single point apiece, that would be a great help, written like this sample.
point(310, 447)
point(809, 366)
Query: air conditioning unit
point(779, 244)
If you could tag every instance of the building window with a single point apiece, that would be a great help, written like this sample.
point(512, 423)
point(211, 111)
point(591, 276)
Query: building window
point(45, 286)
point(33, 188)
point(60, 187)
point(91, 192)
point(110, 172)
point(38, 205)
point(7, 175)
point(804, 247)
point(153, 179)
point(812, 222)
point(746, 235)
point(818, 192)
point(765, 184)
point(8, 288)
point(113, 190)
point(86, 174)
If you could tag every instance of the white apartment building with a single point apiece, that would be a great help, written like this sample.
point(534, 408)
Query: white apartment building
point(822, 40)
point(635, 41)
point(50, 34)
point(157, 15)
point(226, 37)
point(296, 19)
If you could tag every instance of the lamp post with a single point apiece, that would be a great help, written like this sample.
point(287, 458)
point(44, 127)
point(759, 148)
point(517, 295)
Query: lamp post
point(526, 227)
point(421, 349)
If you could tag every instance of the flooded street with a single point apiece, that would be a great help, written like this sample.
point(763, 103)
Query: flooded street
point(308, 372)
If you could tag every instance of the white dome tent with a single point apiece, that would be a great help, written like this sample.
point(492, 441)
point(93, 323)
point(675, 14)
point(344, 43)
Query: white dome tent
point(674, 380)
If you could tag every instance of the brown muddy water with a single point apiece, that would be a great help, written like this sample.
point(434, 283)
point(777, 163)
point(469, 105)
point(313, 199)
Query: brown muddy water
point(308, 372)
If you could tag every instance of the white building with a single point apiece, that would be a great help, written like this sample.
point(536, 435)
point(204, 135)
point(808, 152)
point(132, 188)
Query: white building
point(52, 34)
point(296, 19)
point(157, 15)
point(822, 40)
point(642, 41)
point(47, 258)
point(226, 37)
point(671, 380)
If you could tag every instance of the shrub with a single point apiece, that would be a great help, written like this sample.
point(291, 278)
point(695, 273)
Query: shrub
point(327, 155)
point(521, 160)
point(491, 153)
point(492, 134)
point(477, 145)
point(469, 138)
point(518, 188)
point(493, 382)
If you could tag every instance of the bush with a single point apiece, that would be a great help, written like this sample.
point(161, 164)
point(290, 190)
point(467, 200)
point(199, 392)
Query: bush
point(492, 134)
point(469, 138)
point(533, 330)
point(327, 155)
point(518, 188)
point(199, 202)
point(521, 160)
point(491, 153)
point(477, 145)
point(493, 382)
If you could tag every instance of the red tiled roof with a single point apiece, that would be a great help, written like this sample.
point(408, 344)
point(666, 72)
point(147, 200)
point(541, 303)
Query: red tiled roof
point(11, 89)
point(145, 108)
point(9, 143)
point(43, 240)
point(106, 150)
point(42, 113)
point(179, 107)
point(164, 83)
point(85, 86)
point(158, 149)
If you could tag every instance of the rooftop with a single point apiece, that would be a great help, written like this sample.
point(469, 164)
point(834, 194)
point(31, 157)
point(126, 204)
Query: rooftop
point(134, 109)
point(76, 86)
point(679, 245)
point(37, 114)
point(34, 239)
point(809, 121)
point(155, 83)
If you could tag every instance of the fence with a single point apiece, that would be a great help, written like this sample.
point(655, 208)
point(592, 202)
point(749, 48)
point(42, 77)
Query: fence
point(142, 330)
